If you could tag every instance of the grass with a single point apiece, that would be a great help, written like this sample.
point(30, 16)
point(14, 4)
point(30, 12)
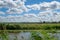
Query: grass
point(17, 31)
point(44, 29)
point(34, 34)
point(32, 26)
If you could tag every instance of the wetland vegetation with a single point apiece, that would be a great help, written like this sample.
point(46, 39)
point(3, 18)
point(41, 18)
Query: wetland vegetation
point(38, 31)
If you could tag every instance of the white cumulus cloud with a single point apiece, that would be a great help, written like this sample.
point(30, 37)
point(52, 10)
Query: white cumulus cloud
point(18, 7)
point(13, 6)
point(45, 6)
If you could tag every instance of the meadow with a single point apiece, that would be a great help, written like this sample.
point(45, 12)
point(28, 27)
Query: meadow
point(29, 26)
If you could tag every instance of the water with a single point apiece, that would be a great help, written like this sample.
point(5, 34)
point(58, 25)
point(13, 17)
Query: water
point(27, 36)
point(20, 36)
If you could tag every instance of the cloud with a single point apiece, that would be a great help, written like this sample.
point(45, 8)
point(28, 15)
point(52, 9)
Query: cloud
point(18, 7)
point(30, 15)
point(14, 11)
point(2, 13)
point(34, 7)
point(13, 6)
point(45, 6)
point(47, 16)
point(24, 18)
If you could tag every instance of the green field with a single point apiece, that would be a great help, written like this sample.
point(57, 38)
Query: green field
point(29, 26)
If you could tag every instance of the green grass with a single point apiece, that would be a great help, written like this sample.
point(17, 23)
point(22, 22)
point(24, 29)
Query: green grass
point(34, 34)
point(32, 26)
point(44, 29)
point(17, 31)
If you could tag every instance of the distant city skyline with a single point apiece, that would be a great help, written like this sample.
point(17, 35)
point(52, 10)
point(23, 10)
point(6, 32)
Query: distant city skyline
point(29, 10)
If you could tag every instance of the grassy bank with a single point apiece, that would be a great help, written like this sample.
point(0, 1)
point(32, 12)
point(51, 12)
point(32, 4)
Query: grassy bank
point(17, 31)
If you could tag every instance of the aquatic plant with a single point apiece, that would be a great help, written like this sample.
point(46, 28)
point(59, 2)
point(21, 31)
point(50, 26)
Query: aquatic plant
point(4, 35)
point(42, 35)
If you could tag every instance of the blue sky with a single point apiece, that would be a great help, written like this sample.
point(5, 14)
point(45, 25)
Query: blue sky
point(30, 2)
point(29, 10)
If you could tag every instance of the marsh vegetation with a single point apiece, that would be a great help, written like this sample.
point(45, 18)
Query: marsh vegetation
point(37, 31)
point(32, 26)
